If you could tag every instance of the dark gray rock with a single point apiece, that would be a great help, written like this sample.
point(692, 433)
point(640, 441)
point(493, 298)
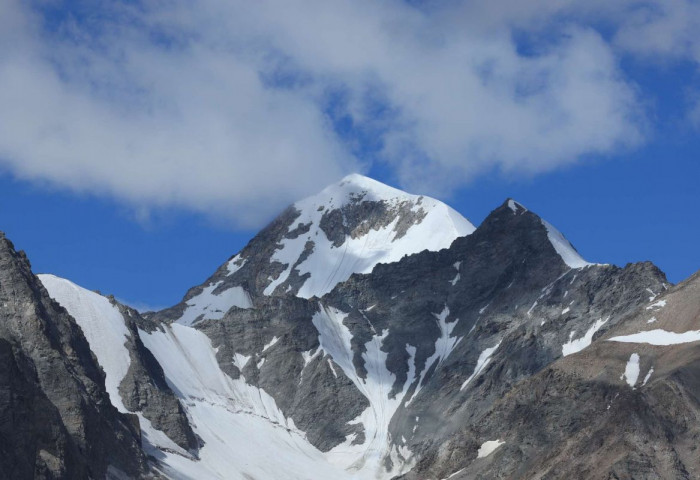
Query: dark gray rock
point(550, 389)
point(54, 397)
point(320, 402)
point(513, 290)
point(144, 388)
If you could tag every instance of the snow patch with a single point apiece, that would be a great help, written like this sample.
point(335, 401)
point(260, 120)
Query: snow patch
point(310, 355)
point(240, 360)
point(330, 364)
point(515, 206)
point(565, 250)
point(632, 370)
point(529, 312)
point(209, 306)
point(657, 305)
point(487, 448)
point(481, 363)
point(271, 343)
point(444, 345)
point(574, 346)
point(659, 337)
point(235, 264)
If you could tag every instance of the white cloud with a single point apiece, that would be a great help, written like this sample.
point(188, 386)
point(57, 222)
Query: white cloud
point(221, 107)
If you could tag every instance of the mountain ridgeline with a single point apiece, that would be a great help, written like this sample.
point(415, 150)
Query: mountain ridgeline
point(365, 333)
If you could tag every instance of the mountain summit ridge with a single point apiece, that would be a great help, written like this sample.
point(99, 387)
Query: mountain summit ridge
point(484, 356)
point(348, 227)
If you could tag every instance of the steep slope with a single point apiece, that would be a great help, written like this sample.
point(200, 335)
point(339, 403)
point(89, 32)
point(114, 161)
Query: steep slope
point(56, 420)
point(347, 228)
point(626, 407)
point(133, 379)
point(197, 422)
point(360, 336)
point(388, 363)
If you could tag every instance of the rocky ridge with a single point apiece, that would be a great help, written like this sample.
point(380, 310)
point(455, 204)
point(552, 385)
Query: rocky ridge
point(57, 419)
point(342, 343)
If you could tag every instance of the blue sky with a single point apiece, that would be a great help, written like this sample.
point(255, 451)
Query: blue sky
point(142, 144)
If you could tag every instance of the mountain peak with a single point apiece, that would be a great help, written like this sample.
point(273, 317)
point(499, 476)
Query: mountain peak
point(349, 227)
point(516, 207)
point(517, 216)
point(355, 188)
point(353, 225)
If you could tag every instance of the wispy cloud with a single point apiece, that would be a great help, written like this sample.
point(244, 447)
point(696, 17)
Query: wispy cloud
point(233, 108)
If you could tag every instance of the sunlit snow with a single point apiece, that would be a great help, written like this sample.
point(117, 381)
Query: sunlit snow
point(328, 265)
point(239, 424)
point(632, 370)
point(565, 250)
point(365, 460)
point(657, 305)
point(659, 337)
point(481, 363)
point(210, 306)
point(576, 345)
point(487, 448)
point(103, 327)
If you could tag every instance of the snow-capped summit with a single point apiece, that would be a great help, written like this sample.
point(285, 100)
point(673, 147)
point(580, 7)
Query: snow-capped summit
point(432, 366)
point(351, 226)
point(348, 227)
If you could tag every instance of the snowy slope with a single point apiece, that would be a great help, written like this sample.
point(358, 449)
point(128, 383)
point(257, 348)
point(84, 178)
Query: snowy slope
point(366, 460)
point(103, 327)
point(566, 251)
point(329, 264)
point(245, 435)
point(210, 306)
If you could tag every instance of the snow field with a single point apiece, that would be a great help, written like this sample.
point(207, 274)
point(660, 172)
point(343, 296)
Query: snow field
point(103, 327)
point(330, 265)
point(245, 435)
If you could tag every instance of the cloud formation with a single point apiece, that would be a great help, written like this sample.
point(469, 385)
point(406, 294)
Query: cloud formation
point(234, 108)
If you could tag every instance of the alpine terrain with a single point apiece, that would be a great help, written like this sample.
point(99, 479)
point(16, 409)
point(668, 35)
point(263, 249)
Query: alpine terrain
point(365, 333)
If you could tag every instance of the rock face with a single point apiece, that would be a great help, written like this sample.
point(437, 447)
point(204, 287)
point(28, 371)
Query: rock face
point(347, 228)
point(425, 345)
point(57, 420)
point(626, 407)
point(369, 334)
point(134, 379)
